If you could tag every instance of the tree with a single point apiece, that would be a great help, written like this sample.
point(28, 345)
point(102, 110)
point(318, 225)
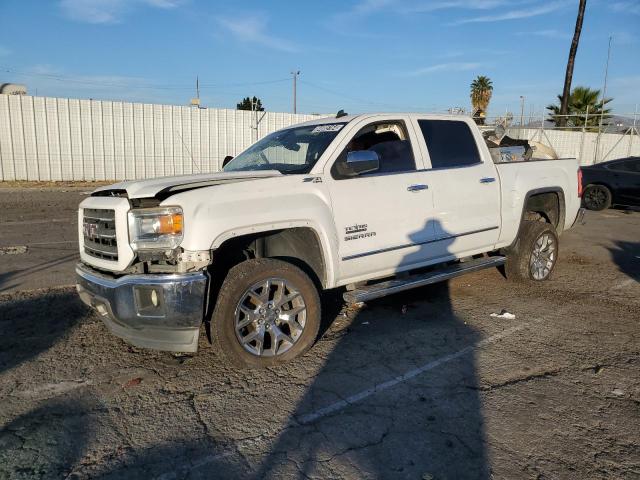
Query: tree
point(582, 100)
point(568, 76)
point(481, 91)
point(247, 102)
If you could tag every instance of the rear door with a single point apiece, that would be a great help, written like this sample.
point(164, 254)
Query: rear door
point(465, 185)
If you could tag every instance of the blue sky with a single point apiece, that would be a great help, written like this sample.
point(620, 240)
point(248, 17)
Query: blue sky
point(361, 55)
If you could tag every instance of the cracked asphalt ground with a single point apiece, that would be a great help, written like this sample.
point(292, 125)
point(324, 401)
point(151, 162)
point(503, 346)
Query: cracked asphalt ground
point(420, 385)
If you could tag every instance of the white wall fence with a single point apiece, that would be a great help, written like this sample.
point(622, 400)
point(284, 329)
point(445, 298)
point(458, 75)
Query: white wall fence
point(582, 144)
point(55, 139)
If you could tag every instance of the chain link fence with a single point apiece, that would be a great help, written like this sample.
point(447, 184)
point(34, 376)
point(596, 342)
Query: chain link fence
point(591, 139)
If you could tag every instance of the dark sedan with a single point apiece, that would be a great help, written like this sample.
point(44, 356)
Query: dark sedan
point(616, 182)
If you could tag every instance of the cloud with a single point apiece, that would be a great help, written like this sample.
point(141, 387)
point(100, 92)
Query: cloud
point(628, 6)
point(253, 29)
point(108, 11)
point(624, 38)
point(426, 7)
point(514, 14)
point(555, 34)
point(367, 7)
point(444, 67)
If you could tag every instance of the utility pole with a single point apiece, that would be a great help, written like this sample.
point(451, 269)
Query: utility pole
point(521, 111)
point(295, 74)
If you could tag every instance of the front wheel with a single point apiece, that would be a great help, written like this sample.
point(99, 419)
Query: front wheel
point(267, 313)
point(535, 253)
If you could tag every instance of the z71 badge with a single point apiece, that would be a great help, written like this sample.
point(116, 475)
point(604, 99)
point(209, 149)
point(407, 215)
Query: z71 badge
point(355, 232)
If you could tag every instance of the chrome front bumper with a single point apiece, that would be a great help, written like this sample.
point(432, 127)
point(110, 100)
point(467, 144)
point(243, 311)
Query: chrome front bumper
point(162, 311)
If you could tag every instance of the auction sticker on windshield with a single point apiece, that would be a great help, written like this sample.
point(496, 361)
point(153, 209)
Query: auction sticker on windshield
point(332, 127)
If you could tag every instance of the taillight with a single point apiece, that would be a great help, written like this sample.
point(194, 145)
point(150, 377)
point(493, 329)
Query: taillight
point(580, 182)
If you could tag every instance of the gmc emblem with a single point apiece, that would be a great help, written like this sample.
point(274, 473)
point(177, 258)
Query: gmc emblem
point(90, 230)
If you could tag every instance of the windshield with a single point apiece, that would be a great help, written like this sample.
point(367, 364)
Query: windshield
point(294, 150)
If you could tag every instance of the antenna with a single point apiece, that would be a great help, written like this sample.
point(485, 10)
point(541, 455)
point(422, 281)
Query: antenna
point(188, 151)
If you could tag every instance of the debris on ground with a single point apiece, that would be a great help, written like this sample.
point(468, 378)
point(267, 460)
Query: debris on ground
point(504, 315)
point(404, 309)
point(617, 392)
point(365, 323)
point(16, 250)
point(133, 382)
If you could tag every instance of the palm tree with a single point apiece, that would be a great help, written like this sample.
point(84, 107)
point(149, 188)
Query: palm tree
point(481, 91)
point(582, 100)
point(564, 98)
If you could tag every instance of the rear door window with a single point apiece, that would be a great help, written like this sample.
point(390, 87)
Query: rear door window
point(450, 143)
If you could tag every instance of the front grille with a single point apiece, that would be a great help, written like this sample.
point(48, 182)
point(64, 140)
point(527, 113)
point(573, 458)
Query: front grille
point(99, 232)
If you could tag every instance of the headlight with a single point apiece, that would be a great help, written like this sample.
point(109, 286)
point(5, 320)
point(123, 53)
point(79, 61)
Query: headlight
point(155, 228)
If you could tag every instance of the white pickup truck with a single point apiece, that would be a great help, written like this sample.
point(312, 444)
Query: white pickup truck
point(346, 201)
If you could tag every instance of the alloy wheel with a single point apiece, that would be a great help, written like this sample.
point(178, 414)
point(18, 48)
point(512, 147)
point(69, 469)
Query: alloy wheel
point(595, 198)
point(543, 256)
point(270, 317)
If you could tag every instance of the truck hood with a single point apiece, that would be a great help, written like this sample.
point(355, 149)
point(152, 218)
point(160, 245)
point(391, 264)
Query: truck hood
point(165, 186)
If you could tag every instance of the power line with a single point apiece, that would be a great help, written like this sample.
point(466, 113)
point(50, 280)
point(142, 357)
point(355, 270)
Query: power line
point(360, 100)
point(70, 79)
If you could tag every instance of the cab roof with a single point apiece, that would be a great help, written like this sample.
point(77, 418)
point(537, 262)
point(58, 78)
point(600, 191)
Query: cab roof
point(349, 118)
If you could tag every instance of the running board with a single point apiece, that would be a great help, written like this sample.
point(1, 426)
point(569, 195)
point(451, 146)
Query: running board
point(396, 285)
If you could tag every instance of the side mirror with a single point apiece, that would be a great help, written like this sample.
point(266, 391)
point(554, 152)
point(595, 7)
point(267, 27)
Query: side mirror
point(226, 160)
point(361, 161)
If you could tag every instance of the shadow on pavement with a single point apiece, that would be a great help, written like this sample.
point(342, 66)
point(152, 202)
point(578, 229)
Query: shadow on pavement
point(12, 276)
point(48, 441)
point(429, 425)
point(626, 255)
point(31, 323)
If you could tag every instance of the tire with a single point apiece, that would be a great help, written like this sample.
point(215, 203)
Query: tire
point(536, 242)
point(250, 326)
point(597, 197)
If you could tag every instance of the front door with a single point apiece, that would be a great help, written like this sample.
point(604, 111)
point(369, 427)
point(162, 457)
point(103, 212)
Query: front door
point(383, 218)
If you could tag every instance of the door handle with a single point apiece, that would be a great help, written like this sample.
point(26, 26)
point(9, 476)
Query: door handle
point(417, 187)
point(487, 180)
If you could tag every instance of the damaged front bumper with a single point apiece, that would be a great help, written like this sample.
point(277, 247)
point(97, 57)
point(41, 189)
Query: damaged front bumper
point(162, 311)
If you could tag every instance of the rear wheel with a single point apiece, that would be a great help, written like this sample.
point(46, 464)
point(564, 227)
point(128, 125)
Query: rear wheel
point(535, 253)
point(597, 197)
point(267, 313)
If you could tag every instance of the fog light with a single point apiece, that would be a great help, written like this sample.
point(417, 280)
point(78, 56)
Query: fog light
point(149, 301)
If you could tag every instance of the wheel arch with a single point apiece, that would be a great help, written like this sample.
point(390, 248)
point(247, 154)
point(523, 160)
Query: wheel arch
point(549, 202)
point(298, 243)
